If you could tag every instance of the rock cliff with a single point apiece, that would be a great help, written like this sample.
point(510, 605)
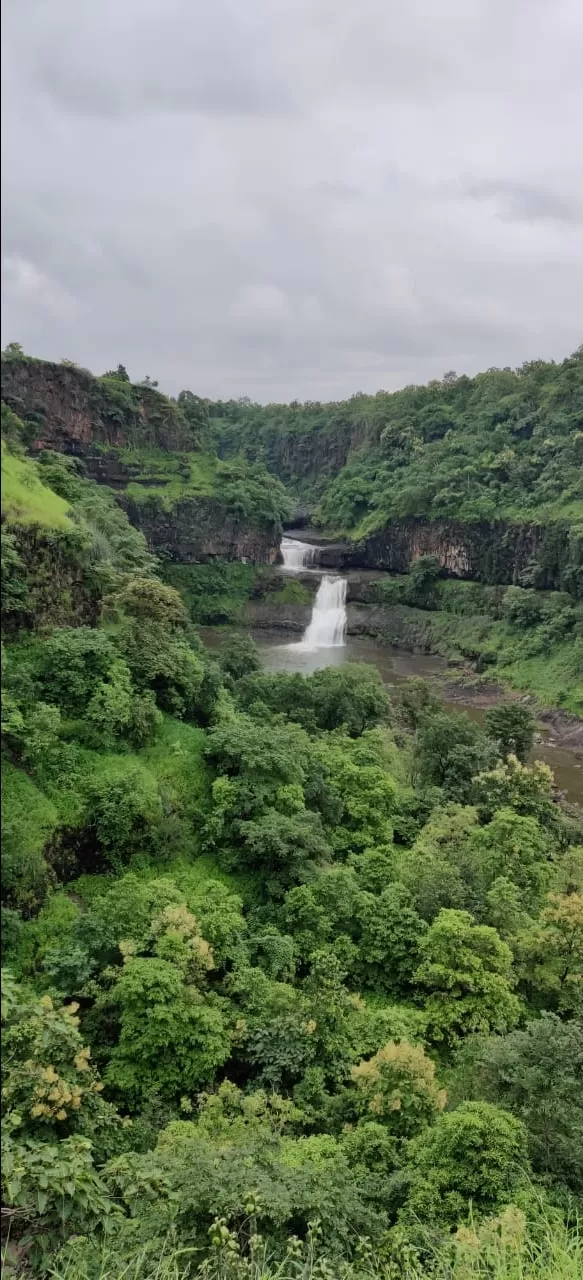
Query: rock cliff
point(72, 411)
point(497, 552)
point(195, 530)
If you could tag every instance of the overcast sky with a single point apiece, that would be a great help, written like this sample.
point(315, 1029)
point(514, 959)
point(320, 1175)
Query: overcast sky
point(293, 198)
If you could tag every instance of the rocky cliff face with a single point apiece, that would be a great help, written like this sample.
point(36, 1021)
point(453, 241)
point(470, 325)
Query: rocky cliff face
point(72, 411)
point(499, 552)
point(195, 530)
point(307, 456)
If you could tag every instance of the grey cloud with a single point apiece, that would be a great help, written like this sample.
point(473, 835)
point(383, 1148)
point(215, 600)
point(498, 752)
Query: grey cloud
point(292, 198)
point(528, 203)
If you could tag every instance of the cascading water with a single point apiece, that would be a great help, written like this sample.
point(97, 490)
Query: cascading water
point(328, 622)
point(297, 555)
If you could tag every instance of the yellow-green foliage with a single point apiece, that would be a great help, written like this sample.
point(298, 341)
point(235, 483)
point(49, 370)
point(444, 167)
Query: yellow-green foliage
point(25, 500)
point(398, 1084)
point(29, 819)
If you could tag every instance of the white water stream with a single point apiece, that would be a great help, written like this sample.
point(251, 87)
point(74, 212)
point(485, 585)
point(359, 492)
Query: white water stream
point(297, 555)
point(327, 626)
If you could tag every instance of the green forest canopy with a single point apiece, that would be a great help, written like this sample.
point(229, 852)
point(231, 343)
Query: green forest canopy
point(292, 970)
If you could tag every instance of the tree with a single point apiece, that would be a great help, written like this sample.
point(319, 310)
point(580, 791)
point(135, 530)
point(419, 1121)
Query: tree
point(74, 662)
point(172, 1040)
point(55, 1126)
point(239, 656)
point(13, 351)
point(474, 1157)
point(449, 751)
point(467, 970)
point(511, 727)
point(283, 846)
point(526, 788)
point(196, 412)
point(550, 954)
point(390, 932)
point(424, 573)
point(397, 1086)
point(120, 373)
point(124, 810)
point(537, 1073)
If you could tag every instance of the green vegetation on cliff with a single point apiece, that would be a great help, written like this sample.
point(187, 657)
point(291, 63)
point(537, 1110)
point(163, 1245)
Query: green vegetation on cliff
point(504, 444)
point(292, 971)
point(533, 639)
point(25, 499)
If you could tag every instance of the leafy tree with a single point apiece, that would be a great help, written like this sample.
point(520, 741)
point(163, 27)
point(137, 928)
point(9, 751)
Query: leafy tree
point(74, 662)
point(398, 1086)
point(536, 1073)
point(54, 1118)
point(424, 572)
point(550, 954)
point(358, 795)
point(239, 657)
point(449, 751)
point(195, 410)
point(390, 933)
point(475, 1156)
point(351, 697)
point(15, 593)
point(526, 788)
point(171, 1039)
point(467, 971)
point(283, 846)
point(511, 726)
point(124, 811)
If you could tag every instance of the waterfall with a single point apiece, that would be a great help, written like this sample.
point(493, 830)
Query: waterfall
point(297, 555)
point(328, 622)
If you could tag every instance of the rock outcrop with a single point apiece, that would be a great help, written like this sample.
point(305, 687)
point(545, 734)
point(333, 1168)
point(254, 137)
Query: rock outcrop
point(195, 530)
point(72, 411)
point(95, 419)
point(496, 552)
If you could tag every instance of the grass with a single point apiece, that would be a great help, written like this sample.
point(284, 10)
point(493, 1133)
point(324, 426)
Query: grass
point(554, 678)
point(168, 477)
point(25, 500)
point(464, 628)
point(499, 1249)
point(177, 762)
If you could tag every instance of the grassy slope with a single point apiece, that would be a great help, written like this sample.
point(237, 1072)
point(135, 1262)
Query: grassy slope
point(169, 476)
point(25, 500)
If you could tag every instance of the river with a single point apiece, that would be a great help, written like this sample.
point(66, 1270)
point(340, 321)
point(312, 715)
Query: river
point(281, 652)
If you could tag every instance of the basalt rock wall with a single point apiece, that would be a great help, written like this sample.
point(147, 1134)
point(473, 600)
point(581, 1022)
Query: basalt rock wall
point(497, 552)
point(195, 530)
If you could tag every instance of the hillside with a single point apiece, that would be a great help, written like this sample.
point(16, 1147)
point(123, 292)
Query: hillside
point(154, 452)
point(501, 453)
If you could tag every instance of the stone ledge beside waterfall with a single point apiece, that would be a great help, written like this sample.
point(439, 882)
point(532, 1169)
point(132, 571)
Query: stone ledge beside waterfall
point(397, 625)
point(496, 552)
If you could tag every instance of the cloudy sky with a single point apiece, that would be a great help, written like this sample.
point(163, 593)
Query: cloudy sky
point(293, 198)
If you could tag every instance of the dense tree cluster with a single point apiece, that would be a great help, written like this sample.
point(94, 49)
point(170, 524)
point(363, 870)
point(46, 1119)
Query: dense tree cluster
point(504, 443)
